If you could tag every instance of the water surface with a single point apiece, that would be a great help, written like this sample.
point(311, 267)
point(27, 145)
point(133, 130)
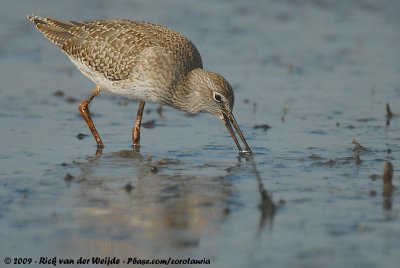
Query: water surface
point(318, 72)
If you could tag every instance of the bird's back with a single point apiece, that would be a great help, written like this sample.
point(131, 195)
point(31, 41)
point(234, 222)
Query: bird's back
point(111, 47)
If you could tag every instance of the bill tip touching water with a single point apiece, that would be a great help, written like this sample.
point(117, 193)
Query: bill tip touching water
point(146, 62)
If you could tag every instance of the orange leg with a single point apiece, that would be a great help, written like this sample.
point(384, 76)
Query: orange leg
point(84, 110)
point(136, 127)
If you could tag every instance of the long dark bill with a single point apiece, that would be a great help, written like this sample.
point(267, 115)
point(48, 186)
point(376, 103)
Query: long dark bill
point(230, 119)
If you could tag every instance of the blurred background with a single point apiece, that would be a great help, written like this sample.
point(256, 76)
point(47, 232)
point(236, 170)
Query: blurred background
point(309, 76)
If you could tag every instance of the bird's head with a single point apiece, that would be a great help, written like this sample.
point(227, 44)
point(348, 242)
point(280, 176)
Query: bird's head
point(209, 92)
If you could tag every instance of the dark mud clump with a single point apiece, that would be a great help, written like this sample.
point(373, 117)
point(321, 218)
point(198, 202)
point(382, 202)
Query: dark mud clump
point(68, 177)
point(81, 136)
point(58, 93)
point(149, 124)
point(264, 127)
point(128, 187)
point(71, 100)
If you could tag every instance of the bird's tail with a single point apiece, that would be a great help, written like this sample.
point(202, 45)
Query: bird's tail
point(56, 31)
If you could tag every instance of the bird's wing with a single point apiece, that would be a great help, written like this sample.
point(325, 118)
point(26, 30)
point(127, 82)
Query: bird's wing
point(109, 47)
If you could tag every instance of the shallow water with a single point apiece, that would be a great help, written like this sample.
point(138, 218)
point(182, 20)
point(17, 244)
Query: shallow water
point(318, 72)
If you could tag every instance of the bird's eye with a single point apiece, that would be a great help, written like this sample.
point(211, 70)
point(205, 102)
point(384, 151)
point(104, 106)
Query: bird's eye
point(217, 97)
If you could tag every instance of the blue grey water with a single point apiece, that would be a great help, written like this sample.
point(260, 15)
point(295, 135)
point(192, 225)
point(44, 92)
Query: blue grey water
point(318, 72)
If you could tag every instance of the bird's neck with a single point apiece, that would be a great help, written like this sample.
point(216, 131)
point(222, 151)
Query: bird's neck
point(186, 96)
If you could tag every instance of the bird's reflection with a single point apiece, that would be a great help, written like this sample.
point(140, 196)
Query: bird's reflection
point(266, 206)
point(165, 202)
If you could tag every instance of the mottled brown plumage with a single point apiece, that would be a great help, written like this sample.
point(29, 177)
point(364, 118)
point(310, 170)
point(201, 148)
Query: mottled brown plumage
point(143, 61)
point(112, 47)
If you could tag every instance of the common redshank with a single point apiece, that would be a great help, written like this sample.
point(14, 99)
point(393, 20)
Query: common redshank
point(142, 61)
